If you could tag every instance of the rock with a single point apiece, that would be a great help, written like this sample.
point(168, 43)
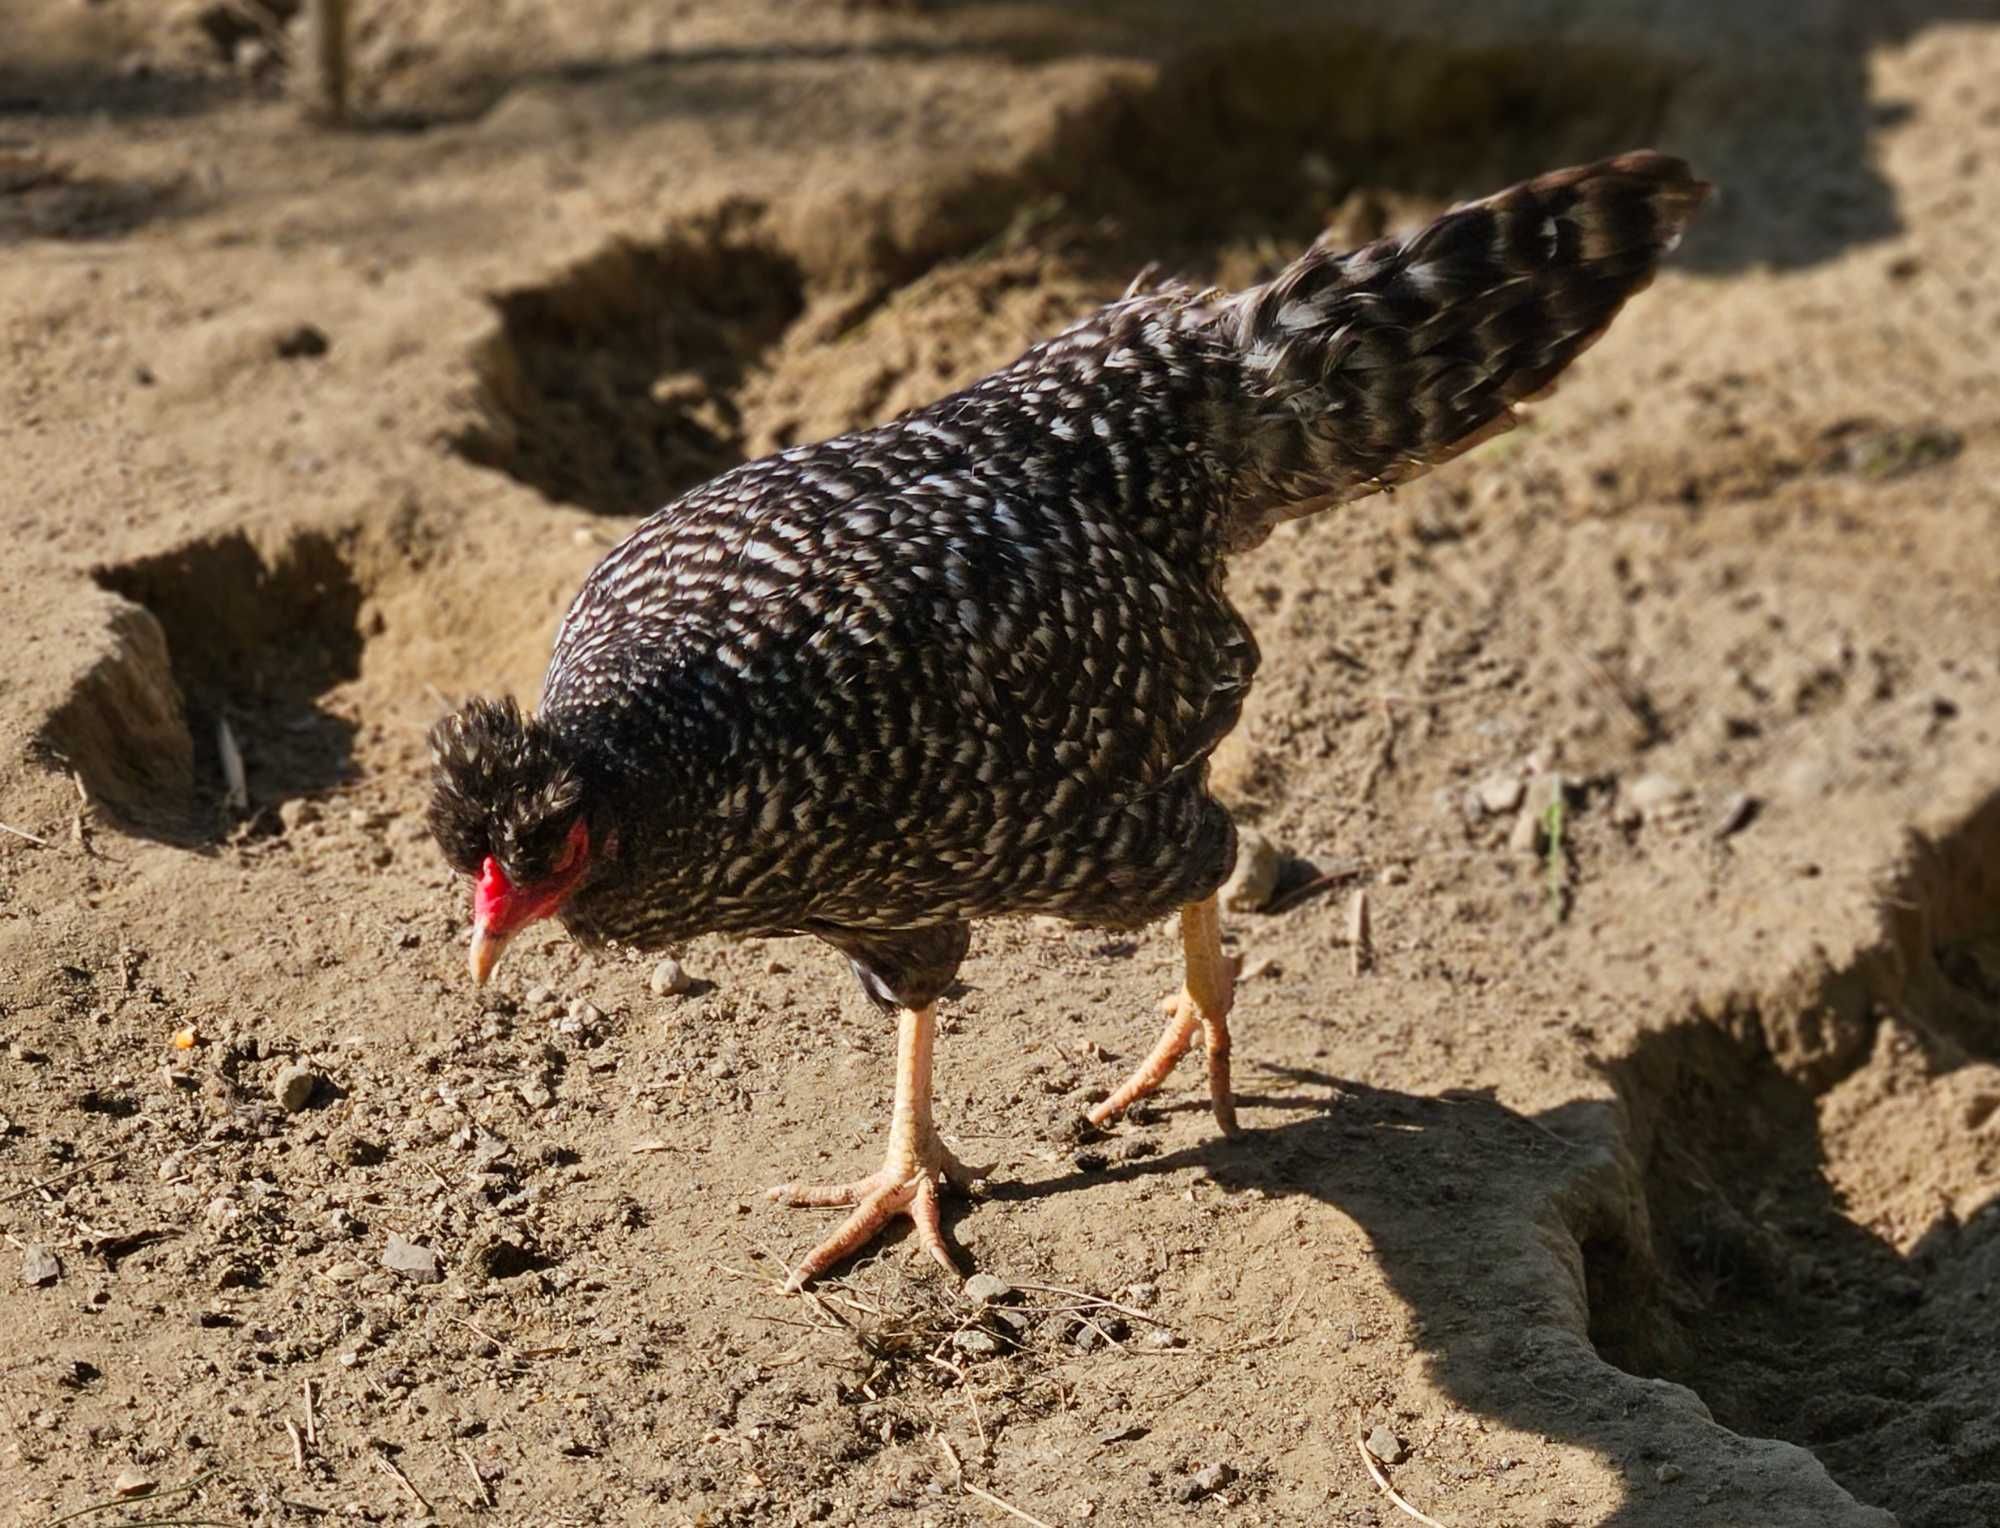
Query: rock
point(1010, 1323)
point(1667, 1474)
point(39, 1267)
point(1144, 1295)
point(1254, 881)
point(1499, 794)
point(1651, 792)
point(539, 996)
point(294, 1087)
point(411, 1260)
point(669, 979)
point(585, 1014)
point(1738, 812)
point(304, 342)
point(1541, 793)
point(134, 1483)
point(1160, 1337)
point(297, 813)
point(1386, 1446)
point(975, 1343)
point(988, 1289)
point(1213, 1477)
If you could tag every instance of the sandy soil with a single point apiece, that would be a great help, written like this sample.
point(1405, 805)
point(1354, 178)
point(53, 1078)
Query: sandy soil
point(1646, 1176)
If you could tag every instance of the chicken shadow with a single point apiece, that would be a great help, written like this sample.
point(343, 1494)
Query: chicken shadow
point(1741, 1275)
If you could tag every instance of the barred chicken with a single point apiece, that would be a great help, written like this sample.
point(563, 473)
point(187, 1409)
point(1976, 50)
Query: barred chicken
point(973, 662)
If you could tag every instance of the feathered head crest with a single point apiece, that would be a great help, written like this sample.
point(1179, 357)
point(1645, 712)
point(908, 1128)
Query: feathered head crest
point(501, 784)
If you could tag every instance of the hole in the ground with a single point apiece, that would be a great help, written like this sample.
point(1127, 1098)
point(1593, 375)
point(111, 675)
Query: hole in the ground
point(254, 639)
point(1825, 1256)
point(649, 368)
point(614, 386)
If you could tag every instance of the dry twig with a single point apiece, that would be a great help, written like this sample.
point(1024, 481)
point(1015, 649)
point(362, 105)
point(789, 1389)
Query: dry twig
point(983, 1494)
point(81, 1167)
point(1375, 1474)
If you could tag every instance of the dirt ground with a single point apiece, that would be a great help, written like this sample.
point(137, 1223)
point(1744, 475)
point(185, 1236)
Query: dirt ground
point(1648, 1174)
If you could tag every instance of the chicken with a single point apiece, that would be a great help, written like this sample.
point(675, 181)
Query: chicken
point(972, 662)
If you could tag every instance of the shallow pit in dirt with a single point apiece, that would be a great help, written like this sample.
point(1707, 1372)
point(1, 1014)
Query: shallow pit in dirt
point(1823, 1189)
point(252, 638)
point(614, 386)
point(651, 366)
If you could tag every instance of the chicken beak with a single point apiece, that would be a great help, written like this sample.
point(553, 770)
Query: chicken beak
point(487, 948)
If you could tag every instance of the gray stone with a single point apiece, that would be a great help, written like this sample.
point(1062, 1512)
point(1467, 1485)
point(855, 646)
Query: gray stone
point(975, 1343)
point(987, 1289)
point(669, 979)
point(1386, 1446)
point(39, 1267)
point(1213, 1477)
point(412, 1260)
point(294, 1087)
point(1500, 794)
point(1254, 881)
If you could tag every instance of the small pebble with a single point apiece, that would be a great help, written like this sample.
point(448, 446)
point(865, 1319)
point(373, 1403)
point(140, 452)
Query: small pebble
point(39, 1267)
point(585, 1014)
point(134, 1483)
point(1214, 1477)
point(1500, 794)
point(411, 1260)
point(1738, 812)
point(539, 995)
point(1650, 793)
point(1143, 1295)
point(1386, 1446)
point(987, 1289)
point(1010, 1323)
point(976, 1343)
point(669, 979)
point(294, 1087)
point(1160, 1337)
point(1254, 881)
point(1667, 1474)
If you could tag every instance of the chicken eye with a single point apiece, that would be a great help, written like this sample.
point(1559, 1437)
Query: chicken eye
point(572, 847)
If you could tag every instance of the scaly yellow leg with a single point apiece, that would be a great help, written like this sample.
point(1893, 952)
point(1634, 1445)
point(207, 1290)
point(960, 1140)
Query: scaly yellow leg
point(916, 1165)
point(1203, 1002)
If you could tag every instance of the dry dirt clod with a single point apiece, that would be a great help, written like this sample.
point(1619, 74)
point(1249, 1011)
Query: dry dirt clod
point(39, 1267)
point(1254, 881)
point(294, 1087)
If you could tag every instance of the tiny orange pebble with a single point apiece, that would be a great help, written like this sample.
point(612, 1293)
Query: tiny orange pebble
point(184, 1038)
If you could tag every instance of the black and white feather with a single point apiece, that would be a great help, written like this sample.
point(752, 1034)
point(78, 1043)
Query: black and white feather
point(973, 661)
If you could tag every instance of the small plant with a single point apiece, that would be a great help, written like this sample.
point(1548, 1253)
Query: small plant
point(1556, 856)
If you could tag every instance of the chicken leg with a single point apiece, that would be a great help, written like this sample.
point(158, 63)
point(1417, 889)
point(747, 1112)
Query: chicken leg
point(1202, 1002)
point(916, 1165)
